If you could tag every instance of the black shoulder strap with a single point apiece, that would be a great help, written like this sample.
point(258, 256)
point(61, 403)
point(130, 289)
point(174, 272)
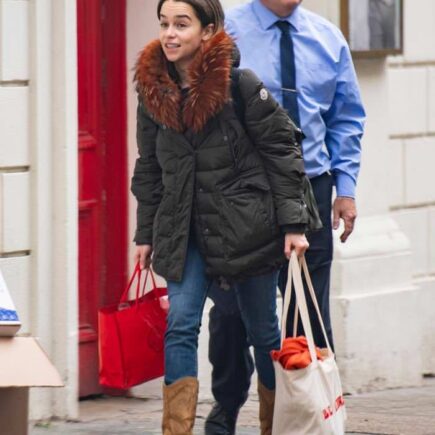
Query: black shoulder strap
point(239, 104)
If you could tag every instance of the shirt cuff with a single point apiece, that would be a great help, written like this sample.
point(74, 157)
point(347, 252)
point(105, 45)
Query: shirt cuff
point(345, 185)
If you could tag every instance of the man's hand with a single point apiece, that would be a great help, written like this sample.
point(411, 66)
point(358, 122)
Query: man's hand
point(344, 208)
point(296, 242)
point(143, 256)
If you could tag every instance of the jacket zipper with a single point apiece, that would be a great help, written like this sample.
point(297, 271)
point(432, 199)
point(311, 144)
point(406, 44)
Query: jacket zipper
point(234, 148)
point(235, 152)
point(190, 211)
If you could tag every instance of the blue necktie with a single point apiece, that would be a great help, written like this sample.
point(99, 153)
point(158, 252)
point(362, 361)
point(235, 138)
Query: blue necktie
point(288, 72)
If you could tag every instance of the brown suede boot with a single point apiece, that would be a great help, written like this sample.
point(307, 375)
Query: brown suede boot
point(267, 402)
point(179, 406)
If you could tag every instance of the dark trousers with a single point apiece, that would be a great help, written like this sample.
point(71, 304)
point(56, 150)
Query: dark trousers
point(228, 344)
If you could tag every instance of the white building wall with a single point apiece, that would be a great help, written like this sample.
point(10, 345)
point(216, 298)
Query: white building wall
point(38, 178)
point(411, 99)
point(14, 151)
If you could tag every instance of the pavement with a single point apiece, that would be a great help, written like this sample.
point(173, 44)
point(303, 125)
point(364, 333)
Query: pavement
point(407, 411)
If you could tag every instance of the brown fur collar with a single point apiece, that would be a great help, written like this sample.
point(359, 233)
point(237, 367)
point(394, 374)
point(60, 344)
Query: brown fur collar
point(209, 89)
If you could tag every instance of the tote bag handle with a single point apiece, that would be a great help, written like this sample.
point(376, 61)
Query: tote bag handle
point(153, 280)
point(137, 271)
point(295, 278)
point(314, 299)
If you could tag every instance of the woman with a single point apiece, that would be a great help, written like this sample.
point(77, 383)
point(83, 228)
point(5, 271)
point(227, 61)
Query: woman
point(214, 201)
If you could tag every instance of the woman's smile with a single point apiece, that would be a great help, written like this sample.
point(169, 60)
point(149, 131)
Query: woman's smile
point(171, 47)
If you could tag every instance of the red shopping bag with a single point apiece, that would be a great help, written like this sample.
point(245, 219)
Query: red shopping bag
point(131, 335)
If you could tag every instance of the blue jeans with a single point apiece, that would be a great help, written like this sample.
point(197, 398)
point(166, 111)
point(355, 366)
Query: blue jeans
point(256, 298)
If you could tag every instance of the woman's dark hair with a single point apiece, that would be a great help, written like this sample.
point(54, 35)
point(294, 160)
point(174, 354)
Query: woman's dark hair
point(207, 11)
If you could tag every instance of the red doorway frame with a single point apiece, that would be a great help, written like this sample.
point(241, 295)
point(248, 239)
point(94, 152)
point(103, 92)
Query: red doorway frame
point(103, 172)
point(115, 137)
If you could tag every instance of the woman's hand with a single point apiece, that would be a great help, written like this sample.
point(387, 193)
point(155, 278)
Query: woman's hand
point(143, 256)
point(297, 242)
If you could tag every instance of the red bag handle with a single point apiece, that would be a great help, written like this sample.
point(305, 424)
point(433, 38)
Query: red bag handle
point(149, 272)
point(137, 271)
point(156, 291)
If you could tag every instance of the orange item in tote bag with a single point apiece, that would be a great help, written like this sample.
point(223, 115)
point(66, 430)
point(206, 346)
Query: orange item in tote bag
point(131, 336)
point(308, 400)
point(294, 353)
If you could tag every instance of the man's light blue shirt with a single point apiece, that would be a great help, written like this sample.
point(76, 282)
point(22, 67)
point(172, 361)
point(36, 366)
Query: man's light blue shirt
point(331, 112)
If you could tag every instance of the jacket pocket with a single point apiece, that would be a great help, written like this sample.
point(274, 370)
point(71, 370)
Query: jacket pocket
point(247, 218)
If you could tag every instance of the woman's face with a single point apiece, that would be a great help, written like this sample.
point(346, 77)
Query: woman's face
point(181, 32)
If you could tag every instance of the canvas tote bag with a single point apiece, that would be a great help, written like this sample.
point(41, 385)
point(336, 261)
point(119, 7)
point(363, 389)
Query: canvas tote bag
point(308, 401)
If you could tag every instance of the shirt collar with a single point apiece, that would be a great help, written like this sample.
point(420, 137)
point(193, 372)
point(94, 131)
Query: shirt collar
point(267, 18)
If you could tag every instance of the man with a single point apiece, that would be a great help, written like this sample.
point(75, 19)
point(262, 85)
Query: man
point(305, 62)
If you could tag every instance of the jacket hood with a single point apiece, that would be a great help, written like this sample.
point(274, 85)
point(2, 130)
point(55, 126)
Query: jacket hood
point(209, 77)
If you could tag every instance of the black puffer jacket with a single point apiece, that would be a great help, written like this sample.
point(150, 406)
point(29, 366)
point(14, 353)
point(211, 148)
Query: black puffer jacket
point(199, 171)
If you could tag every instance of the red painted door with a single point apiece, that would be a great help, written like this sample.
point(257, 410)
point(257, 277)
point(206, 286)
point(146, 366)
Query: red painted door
point(102, 172)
